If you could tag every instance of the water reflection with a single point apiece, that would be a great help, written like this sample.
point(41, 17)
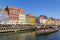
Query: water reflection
point(29, 36)
point(32, 36)
point(18, 36)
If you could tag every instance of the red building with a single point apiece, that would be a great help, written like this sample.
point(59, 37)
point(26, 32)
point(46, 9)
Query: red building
point(14, 13)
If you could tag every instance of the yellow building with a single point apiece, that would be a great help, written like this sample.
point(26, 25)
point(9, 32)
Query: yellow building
point(46, 21)
point(0, 10)
point(50, 21)
point(32, 19)
point(53, 22)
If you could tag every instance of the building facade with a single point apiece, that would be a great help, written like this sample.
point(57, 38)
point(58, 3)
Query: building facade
point(27, 19)
point(57, 21)
point(50, 21)
point(16, 15)
point(13, 14)
point(3, 17)
point(22, 18)
point(32, 20)
point(42, 20)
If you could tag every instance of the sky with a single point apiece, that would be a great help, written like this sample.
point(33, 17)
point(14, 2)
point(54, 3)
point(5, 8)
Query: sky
point(50, 8)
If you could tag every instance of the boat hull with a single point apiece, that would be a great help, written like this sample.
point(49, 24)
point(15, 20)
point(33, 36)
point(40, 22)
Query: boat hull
point(48, 32)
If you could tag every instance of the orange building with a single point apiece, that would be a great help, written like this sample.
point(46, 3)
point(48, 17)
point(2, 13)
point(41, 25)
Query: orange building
point(14, 13)
point(19, 10)
point(0, 10)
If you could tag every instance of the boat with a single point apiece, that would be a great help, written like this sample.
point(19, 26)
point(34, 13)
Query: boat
point(43, 31)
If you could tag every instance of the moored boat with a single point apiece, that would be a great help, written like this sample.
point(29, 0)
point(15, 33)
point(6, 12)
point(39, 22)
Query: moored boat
point(46, 30)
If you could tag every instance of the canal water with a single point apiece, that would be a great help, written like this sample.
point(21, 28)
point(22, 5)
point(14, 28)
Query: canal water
point(29, 36)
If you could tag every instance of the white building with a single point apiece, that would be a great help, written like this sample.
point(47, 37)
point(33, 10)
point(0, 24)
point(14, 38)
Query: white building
point(43, 21)
point(22, 18)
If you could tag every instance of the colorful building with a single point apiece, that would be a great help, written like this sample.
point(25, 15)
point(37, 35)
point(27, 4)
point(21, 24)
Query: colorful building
point(22, 18)
point(57, 21)
point(27, 19)
point(51, 21)
point(0, 10)
point(16, 15)
point(3, 17)
point(32, 19)
point(42, 20)
point(13, 14)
